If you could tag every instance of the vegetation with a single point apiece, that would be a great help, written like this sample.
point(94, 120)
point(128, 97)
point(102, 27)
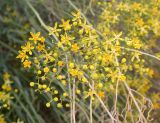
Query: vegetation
point(94, 61)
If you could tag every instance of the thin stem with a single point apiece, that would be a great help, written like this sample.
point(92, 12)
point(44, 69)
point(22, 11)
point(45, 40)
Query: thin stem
point(102, 103)
point(74, 98)
point(91, 104)
point(70, 91)
point(130, 92)
point(141, 52)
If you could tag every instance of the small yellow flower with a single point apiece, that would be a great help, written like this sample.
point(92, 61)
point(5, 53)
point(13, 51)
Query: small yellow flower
point(27, 48)
point(6, 87)
point(100, 85)
point(59, 105)
point(85, 67)
point(91, 67)
point(31, 84)
point(40, 47)
point(54, 70)
point(122, 77)
point(65, 25)
point(55, 91)
point(35, 37)
point(94, 76)
point(64, 82)
point(78, 91)
point(39, 72)
point(40, 86)
point(27, 64)
point(65, 39)
point(43, 78)
point(65, 94)
point(55, 99)
point(139, 22)
point(136, 6)
point(60, 63)
point(101, 94)
point(48, 89)
point(22, 55)
point(54, 30)
point(84, 79)
point(71, 65)
point(2, 119)
point(48, 104)
point(59, 77)
point(74, 48)
point(77, 16)
point(44, 86)
point(73, 72)
point(123, 60)
point(42, 39)
point(46, 69)
point(6, 76)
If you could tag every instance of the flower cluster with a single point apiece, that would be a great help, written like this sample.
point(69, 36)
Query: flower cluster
point(138, 20)
point(81, 63)
point(5, 93)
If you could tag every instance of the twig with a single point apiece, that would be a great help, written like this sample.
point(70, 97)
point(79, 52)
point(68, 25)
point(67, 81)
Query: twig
point(141, 52)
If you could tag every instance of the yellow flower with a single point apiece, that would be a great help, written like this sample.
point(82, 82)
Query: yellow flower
point(100, 85)
point(48, 89)
point(136, 6)
point(65, 39)
point(65, 94)
point(85, 67)
point(59, 105)
point(48, 104)
point(35, 37)
point(136, 43)
point(122, 77)
point(43, 78)
point(91, 67)
point(75, 48)
point(71, 65)
point(6, 87)
point(101, 94)
point(55, 99)
point(27, 48)
point(65, 25)
point(27, 64)
point(94, 76)
point(31, 84)
point(78, 91)
point(90, 93)
point(55, 92)
point(123, 60)
point(54, 30)
point(77, 16)
point(60, 77)
point(84, 79)
point(54, 70)
point(60, 63)
point(64, 82)
point(2, 119)
point(42, 39)
point(22, 55)
point(139, 22)
point(44, 86)
point(40, 47)
point(46, 69)
point(6, 76)
point(73, 72)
